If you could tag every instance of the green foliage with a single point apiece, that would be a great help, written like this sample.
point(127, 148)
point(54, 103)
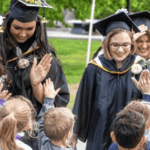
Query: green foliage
point(83, 8)
point(4, 6)
point(72, 100)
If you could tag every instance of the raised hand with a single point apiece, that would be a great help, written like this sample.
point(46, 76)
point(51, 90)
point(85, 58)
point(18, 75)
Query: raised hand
point(49, 90)
point(39, 72)
point(143, 29)
point(4, 94)
point(144, 82)
point(73, 140)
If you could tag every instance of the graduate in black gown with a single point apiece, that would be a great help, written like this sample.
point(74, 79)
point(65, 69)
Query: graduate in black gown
point(23, 39)
point(106, 86)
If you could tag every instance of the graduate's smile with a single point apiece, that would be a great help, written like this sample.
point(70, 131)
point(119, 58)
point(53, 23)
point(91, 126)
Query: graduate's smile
point(143, 46)
point(21, 40)
point(21, 32)
point(120, 54)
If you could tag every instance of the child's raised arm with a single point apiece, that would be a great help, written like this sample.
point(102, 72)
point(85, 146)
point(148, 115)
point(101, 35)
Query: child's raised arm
point(49, 94)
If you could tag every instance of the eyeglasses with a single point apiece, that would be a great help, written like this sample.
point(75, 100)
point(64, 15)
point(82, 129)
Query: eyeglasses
point(116, 46)
point(141, 42)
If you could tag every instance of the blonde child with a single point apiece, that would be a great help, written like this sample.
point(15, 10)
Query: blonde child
point(55, 128)
point(16, 115)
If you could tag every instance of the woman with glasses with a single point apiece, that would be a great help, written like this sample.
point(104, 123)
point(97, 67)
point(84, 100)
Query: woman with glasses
point(106, 86)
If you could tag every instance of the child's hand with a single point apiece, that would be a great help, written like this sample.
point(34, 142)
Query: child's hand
point(144, 82)
point(143, 29)
point(73, 140)
point(4, 94)
point(49, 90)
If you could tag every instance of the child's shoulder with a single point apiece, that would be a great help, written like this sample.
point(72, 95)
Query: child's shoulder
point(53, 147)
point(114, 146)
point(23, 145)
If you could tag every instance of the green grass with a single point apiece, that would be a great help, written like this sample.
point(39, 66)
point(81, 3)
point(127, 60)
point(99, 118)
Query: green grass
point(72, 55)
point(72, 99)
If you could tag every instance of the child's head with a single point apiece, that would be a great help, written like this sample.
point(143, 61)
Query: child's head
point(29, 103)
point(58, 123)
point(15, 116)
point(142, 108)
point(128, 129)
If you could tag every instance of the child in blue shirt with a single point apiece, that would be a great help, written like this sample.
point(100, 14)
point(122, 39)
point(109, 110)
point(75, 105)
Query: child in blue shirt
point(128, 130)
point(55, 124)
point(142, 107)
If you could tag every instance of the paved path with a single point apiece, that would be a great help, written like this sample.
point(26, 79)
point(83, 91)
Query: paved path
point(60, 33)
point(81, 145)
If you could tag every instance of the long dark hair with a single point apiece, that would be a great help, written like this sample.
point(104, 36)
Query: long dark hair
point(8, 43)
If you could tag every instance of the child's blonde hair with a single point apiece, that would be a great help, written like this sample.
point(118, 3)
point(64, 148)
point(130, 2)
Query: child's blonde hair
point(58, 122)
point(15, 116)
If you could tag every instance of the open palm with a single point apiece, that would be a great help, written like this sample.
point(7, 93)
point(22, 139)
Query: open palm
point(39, 72)
point(144, 82)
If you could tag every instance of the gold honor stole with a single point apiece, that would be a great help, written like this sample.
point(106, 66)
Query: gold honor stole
point(96, 61)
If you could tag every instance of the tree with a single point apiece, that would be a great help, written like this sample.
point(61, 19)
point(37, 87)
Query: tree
point(83, 8)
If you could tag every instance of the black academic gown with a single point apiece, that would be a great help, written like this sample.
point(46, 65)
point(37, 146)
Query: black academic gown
point(100, 96)
point(21, 82)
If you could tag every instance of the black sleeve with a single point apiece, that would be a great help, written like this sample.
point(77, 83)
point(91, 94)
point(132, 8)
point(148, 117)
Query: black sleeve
point(84, 101)
point(57, 76)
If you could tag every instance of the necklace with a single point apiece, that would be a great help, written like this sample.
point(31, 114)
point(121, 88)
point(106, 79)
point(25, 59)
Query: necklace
point(22, 63)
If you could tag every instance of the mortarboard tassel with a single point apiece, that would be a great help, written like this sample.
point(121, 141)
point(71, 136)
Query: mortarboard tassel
point(45, 32)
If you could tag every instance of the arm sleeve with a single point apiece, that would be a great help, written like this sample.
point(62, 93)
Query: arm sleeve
point(146, 97)
point(48, 103)
point(84, 102)
point(2, 102)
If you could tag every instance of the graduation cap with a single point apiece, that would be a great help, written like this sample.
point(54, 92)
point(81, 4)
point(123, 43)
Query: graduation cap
point(141, 18)
point(35, 3)
point(120, 20)
point(26, 10)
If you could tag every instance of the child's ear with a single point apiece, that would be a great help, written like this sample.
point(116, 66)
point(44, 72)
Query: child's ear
point(143, 140)
point(112, 134)
point(28, 126)
point(69, 135)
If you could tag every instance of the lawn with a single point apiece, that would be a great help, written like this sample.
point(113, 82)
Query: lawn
point(72, 56)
